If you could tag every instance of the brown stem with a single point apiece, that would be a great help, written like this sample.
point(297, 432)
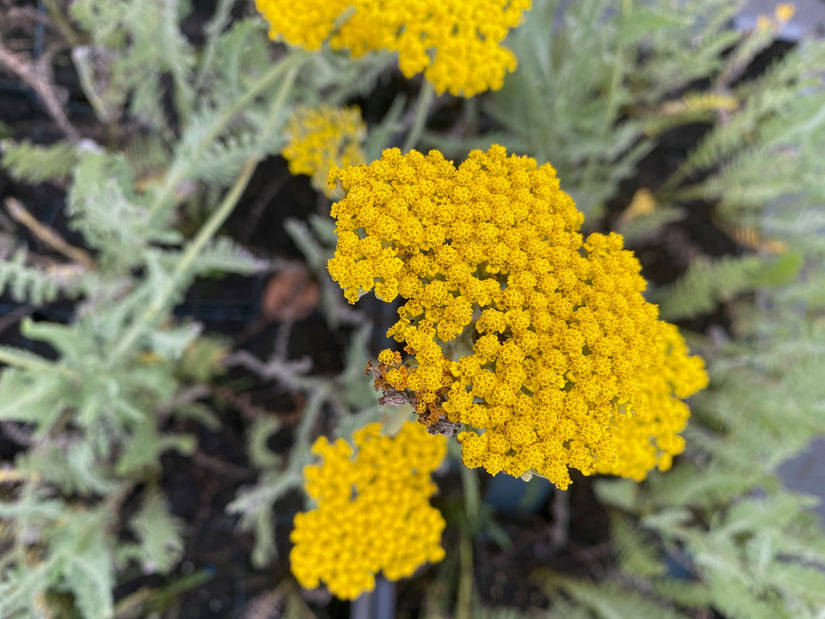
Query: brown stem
point(47, 235)
point(38, 76)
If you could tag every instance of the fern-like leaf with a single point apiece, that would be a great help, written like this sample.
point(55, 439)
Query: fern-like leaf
point(34, 164)
point(607, 600)
point(707, 283)
point(28, 284)
point(638, 556)
point(158, 532)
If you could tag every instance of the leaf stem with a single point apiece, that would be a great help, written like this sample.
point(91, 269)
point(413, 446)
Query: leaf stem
point(212, 224)
point(422, 109)
point(183, 164)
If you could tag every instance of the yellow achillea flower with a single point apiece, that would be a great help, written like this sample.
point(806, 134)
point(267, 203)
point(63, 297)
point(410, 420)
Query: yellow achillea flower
point(529, 338)
point(784, 12)
point(650, 438)
point(373, 512)
point(320, 139)
point(456, 43)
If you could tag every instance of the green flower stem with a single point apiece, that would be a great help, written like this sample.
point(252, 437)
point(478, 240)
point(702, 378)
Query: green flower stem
point(213, 223)
point(464, 601)
point(422, 108)
point(312, 410)
point(192, 250)
point(182, 166)
point(472, 509)
point(472, 498)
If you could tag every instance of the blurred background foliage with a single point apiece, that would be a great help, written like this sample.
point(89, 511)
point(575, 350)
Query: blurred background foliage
point(699, 142)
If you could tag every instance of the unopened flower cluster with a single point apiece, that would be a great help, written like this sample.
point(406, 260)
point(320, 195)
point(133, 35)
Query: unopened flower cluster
point(535, 342)
point(322, 138)
point(456, 43)
point(373, 512)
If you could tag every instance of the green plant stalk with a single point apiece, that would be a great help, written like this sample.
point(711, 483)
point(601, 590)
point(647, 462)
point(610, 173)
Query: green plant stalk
point(206, 232)
point(472, 498)
point(164, 596)
point(464, 601)
point(310, 415)
point(472, 506)
point(422, 108)
point(182, 166)
point(10, 356)
point(212, 224)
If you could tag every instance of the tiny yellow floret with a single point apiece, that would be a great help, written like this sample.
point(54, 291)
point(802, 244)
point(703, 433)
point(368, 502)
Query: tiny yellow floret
point(373, 512)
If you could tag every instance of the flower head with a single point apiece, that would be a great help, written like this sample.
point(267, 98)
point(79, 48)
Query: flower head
point(456, 43)
point(533, 340)
point(784, 12)
point(650, 438)
point(320, 139)
point(373, 512)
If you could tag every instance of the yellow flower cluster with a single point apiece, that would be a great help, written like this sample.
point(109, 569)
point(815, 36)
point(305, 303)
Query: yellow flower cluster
point(456, 43)
point(373, 512)
point(650, 438)
point(320, 139)
point(532, 338)
point(782, 14)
